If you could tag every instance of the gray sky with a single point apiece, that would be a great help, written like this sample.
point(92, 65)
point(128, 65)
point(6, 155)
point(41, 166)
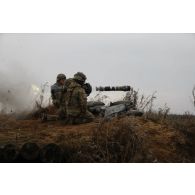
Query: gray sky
point(150, 62)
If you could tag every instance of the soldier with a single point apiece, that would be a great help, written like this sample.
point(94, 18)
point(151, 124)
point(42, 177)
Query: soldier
point(68, 82)
point(58, 91)
point(76, 101)
point(86, 86)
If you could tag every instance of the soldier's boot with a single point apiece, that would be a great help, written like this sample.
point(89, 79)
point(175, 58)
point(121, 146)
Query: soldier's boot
point(47, 117)
point(62, 115)
point(86, 118)
point(70, 120)
point(89, 116)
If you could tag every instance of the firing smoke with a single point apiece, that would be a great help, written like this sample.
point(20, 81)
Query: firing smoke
point(17, 91)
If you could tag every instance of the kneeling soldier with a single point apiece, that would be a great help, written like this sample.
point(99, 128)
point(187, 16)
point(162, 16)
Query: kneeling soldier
point(76, 101)
point(58, 91)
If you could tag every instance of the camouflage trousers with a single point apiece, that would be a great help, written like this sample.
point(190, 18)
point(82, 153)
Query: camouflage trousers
point(62, 113)
point(80, 119)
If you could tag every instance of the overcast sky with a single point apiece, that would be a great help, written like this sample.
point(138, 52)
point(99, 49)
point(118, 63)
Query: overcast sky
point(150, 62)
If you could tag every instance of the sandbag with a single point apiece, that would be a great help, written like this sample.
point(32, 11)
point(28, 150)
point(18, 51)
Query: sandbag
point(30, 152)
point(10, 153)
point(121, 102)
point(51, 153)
point(95, 103)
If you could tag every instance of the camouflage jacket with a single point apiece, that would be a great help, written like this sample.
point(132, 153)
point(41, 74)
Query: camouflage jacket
point(76, 99)
point(58, 94)
point(87, 87)
point(68, 82)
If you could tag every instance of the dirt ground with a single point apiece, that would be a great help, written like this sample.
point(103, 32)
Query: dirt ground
point(160, 142)
point(21, 131)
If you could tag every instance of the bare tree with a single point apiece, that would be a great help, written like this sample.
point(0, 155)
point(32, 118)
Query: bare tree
point(39, 103)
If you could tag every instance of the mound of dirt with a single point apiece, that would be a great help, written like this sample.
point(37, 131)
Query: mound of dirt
point(126, 139)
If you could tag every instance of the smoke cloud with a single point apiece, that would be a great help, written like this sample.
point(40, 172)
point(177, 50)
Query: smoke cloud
point(16, 93)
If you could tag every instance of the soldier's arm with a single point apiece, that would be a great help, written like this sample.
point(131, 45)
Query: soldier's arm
point(83, 100)
point(64, 89)
point(63, 95)
point(55, 101)
point(53, 94)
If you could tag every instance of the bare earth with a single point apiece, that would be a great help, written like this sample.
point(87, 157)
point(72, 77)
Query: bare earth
point(161, 142)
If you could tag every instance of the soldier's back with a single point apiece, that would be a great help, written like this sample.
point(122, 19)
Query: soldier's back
point(74, 93)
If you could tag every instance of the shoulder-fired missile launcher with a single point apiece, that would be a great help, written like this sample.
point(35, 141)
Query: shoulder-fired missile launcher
point(116, 88)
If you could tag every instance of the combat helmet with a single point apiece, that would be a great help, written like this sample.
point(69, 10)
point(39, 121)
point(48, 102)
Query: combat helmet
point(79, 76)
point(61, 76)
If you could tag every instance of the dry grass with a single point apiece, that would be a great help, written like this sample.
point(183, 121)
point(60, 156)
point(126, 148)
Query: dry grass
point(117, 141)
point(125, 139)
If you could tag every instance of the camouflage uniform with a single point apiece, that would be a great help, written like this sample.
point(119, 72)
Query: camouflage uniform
point(58, 96)
point(87, 87)
point(76, 100)
point(68, 82)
